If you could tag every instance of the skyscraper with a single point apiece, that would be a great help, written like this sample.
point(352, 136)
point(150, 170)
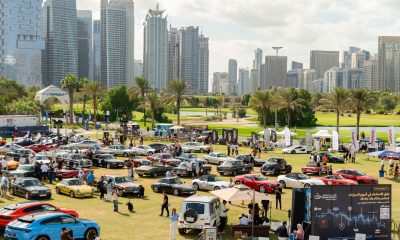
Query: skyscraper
point(253, 81)
point(321, 61)
point(371, 77)
point(275, 71)
point(173, 54)
point(257, 62)
point(296, 65)
point(204, 64)
point(353, 78)
point(389, 62)
point(117, 43)
point(232, 79)
point(357, 60)
point(243, 83)
point(60, 56)
point(293, 77)
point(155, 48)
point(85, 52)
point(307, 78)
point(220, 82)
point(21, 41)
point(189, 57)
point(96, 50)
point(334, 77)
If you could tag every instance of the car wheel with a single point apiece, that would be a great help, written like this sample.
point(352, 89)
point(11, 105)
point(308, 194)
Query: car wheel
point(155, 189)
point(154, 174)
point(282, 183)
point(42, 238)
point(306, 185)
point(91, 234)
point(293, 152)
point(220, 163)
point(57, 190)
point(27, 197)
point(176, 192)
point(262, 189)
point(182, 231)
point(72, 194)
point(150, 153)
point(108, 165)
point(125, 154)
point(216, 188)
point(196, 186)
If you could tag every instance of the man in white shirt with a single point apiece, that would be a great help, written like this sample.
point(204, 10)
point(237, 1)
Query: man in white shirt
point(244, 220)
point(44, 168)
point(223, 216)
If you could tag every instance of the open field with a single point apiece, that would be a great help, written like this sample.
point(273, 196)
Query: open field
point(145, 223)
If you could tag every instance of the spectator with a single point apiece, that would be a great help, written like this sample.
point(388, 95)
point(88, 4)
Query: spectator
point(131, 173)
point(81, 175)
point(173, 224)
point(115, 199)
point(223, 216)
point(197, 165)
point(330, 170)
point(299, 233)
point(278, 197)
point(396, 171)
point(110, 187)
point(44, 168)
point(265, 205)
point(282, 231)
point(101, 186)
point(228, 148)
point(90, 179)
point(4, 185)
point(165, 205)
point(244, 220)
point(325, 160)
point(51, 172)
point(168, 174)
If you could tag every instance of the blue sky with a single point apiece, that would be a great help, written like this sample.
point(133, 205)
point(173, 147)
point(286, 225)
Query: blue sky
point(237, 27)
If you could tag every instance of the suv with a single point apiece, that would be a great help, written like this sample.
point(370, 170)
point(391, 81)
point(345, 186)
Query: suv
point(198, 212)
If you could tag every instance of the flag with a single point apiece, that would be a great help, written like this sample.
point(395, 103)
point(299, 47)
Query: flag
point(266, 137)
point(309, 141)
point(335, 140)
point(287, 137)
point(372, 138)
point(354, 140)
point(391, 137)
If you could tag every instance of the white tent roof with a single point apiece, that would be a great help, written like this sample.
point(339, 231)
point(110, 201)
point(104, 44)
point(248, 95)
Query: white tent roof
point(53, 91)
point(322, 134)
point(177, 127)
point(278, 133)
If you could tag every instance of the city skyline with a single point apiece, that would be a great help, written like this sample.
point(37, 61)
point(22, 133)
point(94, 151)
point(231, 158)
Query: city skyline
point(314, 29)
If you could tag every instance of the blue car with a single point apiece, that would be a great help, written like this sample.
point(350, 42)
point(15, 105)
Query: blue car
point(48, 226)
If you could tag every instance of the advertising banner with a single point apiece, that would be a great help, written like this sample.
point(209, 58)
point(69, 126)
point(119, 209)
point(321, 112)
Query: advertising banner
point(335, 140)
point(266, 137)
point(309, 140)
point(287, 137)
point(353, 138)
point(372, 138)
point(391, 137)
point(274, 139)
point(342, 211)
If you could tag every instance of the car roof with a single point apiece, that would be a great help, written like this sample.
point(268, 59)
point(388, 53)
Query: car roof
point(170, 178)
point(197, 198)
point(37, 216)
point(17, 206)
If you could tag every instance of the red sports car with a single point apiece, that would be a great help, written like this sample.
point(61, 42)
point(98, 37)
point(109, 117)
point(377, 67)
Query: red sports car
point(314, 168)
point(356, 175)
point(164, 158)
point(39, 147)
point(14, 211)
point(337, 180)
point(257, 182)
point(65, 172)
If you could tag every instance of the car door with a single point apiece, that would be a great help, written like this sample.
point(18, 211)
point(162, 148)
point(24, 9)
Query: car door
point(291, 180)
point(64, 187)
point(52, 227)
point(248, 181)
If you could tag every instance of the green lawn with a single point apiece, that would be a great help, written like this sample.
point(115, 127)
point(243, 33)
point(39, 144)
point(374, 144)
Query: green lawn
point(378, 120)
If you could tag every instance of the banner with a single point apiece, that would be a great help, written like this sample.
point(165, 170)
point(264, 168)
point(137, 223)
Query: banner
point(287, 137)
point(335, 140)
point(309, 140)
point(391, 137)
point(274, 139)
point(266, 137)
point(372, 138)
point(353, 138)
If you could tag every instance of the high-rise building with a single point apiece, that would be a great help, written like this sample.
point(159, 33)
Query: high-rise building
point(204, 64)
point(389, 62)
point(189, 57)
point(353, 78)
point(261, 77)
point(257, 62)
point(243, 83)
point(60, 56)
point(96, 50)
point(253, 81)
point(321, 61)
point(138, 69)
point(21, 41)
point(275, 71)
point(173, 53)
point(307, 78)
point(85, 52)
point(371, 77)
point(220, 83)
point(347, 57)
point(233, 73)
point(333, 78)
point(357, 60)
point(117, 43)
point(297, 65)
point(293, 77)
point(155, 48)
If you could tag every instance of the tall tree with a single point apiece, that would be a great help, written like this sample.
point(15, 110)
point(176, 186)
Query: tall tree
point(177, 89)
point(261, 103)
point(72, 85)
point(94, 88)
point(153, 101)
point(289, 101)
point(336, 100)
point(84, 95)
point(141, 88)
point(361, 99)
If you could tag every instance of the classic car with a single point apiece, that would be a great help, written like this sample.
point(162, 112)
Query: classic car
point(16, 210)
point(66, 172)
point(45, 147)
point(11, 164)
point(356, 175)
point(137, 162)
point(99, 150)
point(248, 159)
point(184, 169)
point(234, 167)
point(210, 183)
point(144, 150)
point(297, 149)
point(9, 147)
point(275, 166)
point(24, 142)
point(77, 160)
point(298, 180)
point(29, 188)
point(216, 158)
point(41, 159)
point(86, 144)
point(121, 150)
point(314, 168)
point(187, 157)
point(195, 147)
point(26, 170)
point(108, 161)
point(124, 185)
point(153, 171)
point(18, 153)
point(172, 185)
point(337, 180)
point(164, 158)
point(331, 158)
point(74, 187)
point(257, 182)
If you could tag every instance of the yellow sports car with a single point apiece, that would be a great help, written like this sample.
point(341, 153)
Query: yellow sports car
point(74, 187)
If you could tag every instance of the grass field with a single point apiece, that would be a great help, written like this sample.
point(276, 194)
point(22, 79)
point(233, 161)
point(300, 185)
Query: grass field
point(145, 223)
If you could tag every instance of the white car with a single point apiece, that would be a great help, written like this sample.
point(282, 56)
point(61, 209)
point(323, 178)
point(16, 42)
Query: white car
point(41, 158)
point(121, 150)
point(144, 150)
point(86, 144)
point(210, 183)
point(298, 180)
point(296, 149)
point(9, 147)
point(195, 147)
point(216, 158)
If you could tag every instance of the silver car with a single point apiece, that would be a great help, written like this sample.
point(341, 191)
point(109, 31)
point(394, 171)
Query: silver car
point(121, 150)
point(210, 183)
point(195, 147)
point(216, 158)
point(144, 150)
point(86, 144)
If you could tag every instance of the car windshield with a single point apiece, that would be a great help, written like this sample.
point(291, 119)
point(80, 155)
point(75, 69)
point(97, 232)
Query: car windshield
point(222, 155)
point(358, 173)
point(32, 182)
point(176, 181)
point(312, 164)
point(198, 207)
point(122, 179)
point(75, 182)
point(227, 163)
point(214, 179)
point(108, 157)
point(165, 156)
point(260, 178)
point(25, 167)
point(303, 176)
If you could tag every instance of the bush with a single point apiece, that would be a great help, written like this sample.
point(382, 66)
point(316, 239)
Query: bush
point(212, 118)
point(242, 112)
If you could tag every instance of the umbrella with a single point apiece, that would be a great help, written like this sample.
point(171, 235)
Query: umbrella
point(239, 193)
point(383, 153)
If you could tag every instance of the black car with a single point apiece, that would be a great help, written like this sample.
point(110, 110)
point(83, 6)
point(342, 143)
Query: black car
point(234, 167)
point(29, 188)
point(249, 159)
point(276, 166)
point(172, 185)
point(331, 158)
point(18, 153)
point(108, 161)
point(187, 156)
point(184, 170)
point(27, 170)
point(157, 146)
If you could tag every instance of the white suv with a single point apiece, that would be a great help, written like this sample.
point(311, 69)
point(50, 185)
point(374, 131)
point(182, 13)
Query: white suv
point(198, 212)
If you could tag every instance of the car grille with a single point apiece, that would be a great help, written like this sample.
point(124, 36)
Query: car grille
point(42, 191)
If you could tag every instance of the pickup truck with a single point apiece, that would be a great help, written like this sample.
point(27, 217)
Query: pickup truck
point(234, 167)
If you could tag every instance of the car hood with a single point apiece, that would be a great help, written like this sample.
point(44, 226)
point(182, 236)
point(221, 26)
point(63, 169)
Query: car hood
point(37, 188)
point(313, 181)
point(145, 168)
point(82, 188)
point(183, 186)
point(128, 185)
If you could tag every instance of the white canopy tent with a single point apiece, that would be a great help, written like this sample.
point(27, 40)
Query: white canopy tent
point(282, 133)
point(322, 134)
point(53, 91)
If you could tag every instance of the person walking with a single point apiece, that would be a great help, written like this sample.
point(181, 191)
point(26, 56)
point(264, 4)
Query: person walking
point(114, 196)
point(165, 205)
point(282, 231)
point(131, 173)
point(90, 179)
point(265, 205)
point(197, 166)
point(4, 185)
point(173, 224)
point(223, 216)
point(81, 175)
point(51, 172)
point(228, 148)
point(101, 186)
point(109, 189)
point(278, 197)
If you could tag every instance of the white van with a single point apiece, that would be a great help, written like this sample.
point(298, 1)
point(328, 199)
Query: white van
point(198, 212)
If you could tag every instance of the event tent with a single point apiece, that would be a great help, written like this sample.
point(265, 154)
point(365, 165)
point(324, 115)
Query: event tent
point(322, 134)
point(53, 91)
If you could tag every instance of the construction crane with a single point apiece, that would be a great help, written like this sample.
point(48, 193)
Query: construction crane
point(277, 50)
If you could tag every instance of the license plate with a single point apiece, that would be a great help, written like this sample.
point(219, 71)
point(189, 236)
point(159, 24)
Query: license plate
point(42, 195)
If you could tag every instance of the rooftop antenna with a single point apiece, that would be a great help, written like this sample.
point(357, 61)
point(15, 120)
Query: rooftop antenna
point(277, 50)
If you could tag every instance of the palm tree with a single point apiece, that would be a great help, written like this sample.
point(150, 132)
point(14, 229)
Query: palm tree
point(94, 88)
point(71, 84)
point(361, 99)
point(261, 103)
point(205, 104)
point(177, 89)
point(141, 88)
point(153, 101)
point(337, 100)
point(290, 102)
